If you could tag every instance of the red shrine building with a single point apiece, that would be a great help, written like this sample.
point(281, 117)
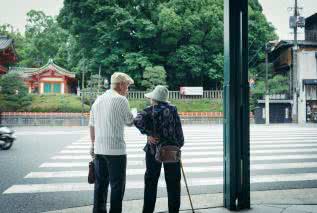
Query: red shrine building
point(48, 79)
point(7, 54)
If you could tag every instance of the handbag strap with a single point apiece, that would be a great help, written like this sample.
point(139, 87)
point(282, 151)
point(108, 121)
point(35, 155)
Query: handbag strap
point(154, 127)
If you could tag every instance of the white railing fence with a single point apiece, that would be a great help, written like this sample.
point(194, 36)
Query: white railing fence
point(207, 94)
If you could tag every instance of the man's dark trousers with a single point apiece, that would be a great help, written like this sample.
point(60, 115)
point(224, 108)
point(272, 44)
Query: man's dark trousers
point(172, 177)
point(109, 169)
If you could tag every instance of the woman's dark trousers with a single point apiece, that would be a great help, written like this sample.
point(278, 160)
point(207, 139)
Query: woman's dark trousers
point(109, 169)
point(172, 178)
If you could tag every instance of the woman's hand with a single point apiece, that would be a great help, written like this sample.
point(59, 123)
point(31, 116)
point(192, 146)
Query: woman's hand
point(152, 140)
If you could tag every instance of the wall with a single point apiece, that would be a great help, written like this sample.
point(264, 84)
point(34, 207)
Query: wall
point(307, 69)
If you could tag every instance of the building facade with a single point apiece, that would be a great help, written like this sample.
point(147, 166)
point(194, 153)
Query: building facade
point(306, 75)
point(307, 82)
point(48, 79)
point(7, 53)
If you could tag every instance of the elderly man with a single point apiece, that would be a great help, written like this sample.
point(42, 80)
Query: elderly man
point(109, 114)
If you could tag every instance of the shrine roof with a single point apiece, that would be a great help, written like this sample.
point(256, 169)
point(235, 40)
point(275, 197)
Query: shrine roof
point(5, 42)
point(28, 72)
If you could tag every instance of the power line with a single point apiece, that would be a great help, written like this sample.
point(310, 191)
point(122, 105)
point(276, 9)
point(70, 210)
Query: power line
point(253, 57)
point(270, 63)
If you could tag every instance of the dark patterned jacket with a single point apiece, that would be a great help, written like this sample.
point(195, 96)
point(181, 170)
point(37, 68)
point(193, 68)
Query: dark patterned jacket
point(161, 121)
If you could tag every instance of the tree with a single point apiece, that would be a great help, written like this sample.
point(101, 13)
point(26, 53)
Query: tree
point(14, 94)
point(260, 32)
point(44, 39)
point(277, 85)
point(153, 76)
point(183, 36)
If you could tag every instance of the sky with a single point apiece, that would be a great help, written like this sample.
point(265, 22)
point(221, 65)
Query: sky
point(14, 11)
point(276, 11)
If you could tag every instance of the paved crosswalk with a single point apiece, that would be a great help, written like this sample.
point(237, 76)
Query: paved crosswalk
point(278, 155)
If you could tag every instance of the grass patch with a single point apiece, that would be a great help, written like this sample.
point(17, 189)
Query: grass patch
point(57, 103)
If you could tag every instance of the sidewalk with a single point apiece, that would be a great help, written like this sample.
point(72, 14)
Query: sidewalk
point(277, 201)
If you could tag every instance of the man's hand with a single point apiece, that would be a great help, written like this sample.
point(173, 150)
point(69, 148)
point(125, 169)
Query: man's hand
point(92, 151)
point(152, 140)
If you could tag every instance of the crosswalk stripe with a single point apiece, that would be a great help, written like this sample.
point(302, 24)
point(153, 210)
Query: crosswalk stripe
point(64, 165)
point(201, 160)
point(199, 152)
point(254, 167)
point(82, 164)
point(218, 141)
point(134, 138)
point(80, 186)
point(212, 146)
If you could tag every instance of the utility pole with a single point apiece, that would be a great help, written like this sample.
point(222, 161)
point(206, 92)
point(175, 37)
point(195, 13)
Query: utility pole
point(90, 90)
point(295, 75)
point(82, 89)
point(99, 80)
point(267, 97)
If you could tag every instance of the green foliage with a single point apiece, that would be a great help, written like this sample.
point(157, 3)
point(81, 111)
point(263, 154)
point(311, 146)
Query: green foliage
point(139, 104)
point(153, 76)
point(14, 94)
point(260, 32)
point(183, 36)
point(44, 39)
point(135, 64)
point(277, 85)
point(202, 105)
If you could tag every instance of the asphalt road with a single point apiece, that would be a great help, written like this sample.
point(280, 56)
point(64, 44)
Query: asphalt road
point(46, 169)
point(34, 146)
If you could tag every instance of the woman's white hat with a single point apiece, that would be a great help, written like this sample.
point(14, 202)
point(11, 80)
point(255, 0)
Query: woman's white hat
point(119, 77)
point(160, 93)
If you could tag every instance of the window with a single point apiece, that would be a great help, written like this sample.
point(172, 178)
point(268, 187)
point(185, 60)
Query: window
point(47, 88)
point(311, 92)
point(52, 87)
point(57, 88)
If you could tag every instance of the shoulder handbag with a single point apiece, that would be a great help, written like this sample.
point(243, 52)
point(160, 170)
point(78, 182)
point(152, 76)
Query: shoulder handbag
point(166, 153)
point(91, 173)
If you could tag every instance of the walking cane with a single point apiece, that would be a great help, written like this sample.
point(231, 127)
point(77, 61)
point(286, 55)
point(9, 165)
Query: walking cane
point(190, 199)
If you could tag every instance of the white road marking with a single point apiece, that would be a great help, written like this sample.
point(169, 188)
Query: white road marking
point(207, 146)
point(192, 169)
point(80, 186)
point(188, 150)
point(201, 160)
point(64, 165)
point(220, 141)
point(218, 146)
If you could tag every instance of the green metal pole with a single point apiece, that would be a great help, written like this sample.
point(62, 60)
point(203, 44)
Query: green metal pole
point(236, 106)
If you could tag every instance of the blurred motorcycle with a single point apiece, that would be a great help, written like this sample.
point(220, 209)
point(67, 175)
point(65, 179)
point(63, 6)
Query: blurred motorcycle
point(7, 137)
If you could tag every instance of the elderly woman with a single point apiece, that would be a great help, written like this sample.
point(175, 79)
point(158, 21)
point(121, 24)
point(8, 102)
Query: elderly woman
point(161, 123)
